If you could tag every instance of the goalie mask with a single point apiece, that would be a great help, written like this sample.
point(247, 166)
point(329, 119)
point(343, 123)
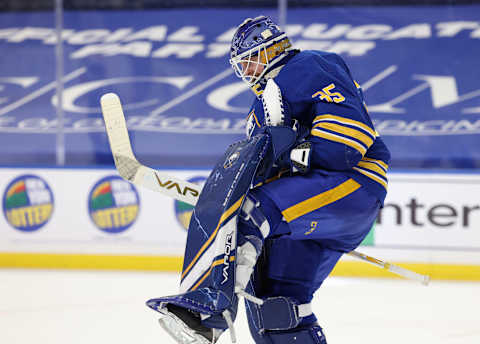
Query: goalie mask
point(257, 45)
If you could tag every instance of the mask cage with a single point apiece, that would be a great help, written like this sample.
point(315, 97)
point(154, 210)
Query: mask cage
point(242, 64)
point(262, 55)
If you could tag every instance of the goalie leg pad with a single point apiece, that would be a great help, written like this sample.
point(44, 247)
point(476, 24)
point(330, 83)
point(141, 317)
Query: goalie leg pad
point(253, 229)
point(252, 219)
point(259, 218)
point(208, 282)
point(282, 312)
point(278, 313)
point(312, 334)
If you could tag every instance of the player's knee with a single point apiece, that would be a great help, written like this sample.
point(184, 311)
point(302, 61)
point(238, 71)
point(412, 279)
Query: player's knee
point(260, 214)
point(252, 218)
point(280, 320)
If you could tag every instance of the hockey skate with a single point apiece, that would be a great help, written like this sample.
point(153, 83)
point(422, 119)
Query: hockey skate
point(193, 317)
point(185, 326)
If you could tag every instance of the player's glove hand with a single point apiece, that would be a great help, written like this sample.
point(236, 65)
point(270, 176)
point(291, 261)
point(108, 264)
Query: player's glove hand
point(286, 153)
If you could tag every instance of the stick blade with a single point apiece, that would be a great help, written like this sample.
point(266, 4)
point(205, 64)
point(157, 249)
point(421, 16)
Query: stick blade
point(117, 132)
point(109, 99)
point(116, 126)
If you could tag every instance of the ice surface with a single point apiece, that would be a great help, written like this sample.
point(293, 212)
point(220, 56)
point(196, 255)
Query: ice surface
point(73, 307)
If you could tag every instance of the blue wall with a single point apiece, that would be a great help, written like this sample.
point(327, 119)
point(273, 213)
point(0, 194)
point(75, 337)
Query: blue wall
point(418, 65)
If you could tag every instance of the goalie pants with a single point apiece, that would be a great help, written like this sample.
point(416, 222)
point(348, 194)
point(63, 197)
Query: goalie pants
point(313, 220)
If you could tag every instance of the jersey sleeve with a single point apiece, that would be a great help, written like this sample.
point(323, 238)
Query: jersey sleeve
point(320, 93)
point(339, 141)
point(341, 129)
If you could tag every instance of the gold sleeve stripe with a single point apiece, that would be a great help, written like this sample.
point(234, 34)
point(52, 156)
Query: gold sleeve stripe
point(365, 139)
point(277, 176)
point(373, 167)
point(209, 271)
point(340, 139)
point(329, 117)
point(372, 176)
point(376, 161)
point(254, 116)
point(320, 200)
point(224, 216)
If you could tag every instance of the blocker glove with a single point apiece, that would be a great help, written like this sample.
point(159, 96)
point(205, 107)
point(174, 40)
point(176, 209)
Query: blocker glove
point(286, 152)
point(300, 157)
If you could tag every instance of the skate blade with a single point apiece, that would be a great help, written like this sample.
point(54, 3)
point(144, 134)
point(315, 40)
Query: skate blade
point(179, 331)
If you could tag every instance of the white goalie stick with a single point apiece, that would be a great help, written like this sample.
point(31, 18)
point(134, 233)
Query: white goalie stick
point(127, 164)
point(133, 171)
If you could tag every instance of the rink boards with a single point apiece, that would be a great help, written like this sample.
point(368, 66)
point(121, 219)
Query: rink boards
point(91, 218)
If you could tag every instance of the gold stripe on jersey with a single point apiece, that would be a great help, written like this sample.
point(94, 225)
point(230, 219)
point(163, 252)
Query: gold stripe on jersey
point(372, 176)
point(344, 120)
point(373, 167)
point(356, 134)
point(336, 138)
point(378, 162)
point(320, 200)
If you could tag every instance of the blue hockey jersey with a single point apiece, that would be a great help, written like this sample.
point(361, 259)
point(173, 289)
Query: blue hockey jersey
point(319, 92)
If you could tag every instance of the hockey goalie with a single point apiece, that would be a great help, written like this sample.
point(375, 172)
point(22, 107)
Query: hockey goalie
point(282, 206)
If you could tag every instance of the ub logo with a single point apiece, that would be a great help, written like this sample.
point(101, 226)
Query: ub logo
point(231, 160)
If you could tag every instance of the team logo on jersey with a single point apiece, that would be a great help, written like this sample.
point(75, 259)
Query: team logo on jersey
point(184, 211)
point(28, 203)
point(113, 204)
point(231, 160)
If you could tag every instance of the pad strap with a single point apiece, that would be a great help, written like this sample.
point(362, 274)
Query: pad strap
point(304, 310)
point(282, 313)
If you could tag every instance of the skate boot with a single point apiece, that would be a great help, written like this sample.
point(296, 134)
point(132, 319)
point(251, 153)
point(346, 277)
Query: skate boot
point(185, 326)
point(196, 317)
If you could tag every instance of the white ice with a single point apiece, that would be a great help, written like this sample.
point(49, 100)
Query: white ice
point(87, 307)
